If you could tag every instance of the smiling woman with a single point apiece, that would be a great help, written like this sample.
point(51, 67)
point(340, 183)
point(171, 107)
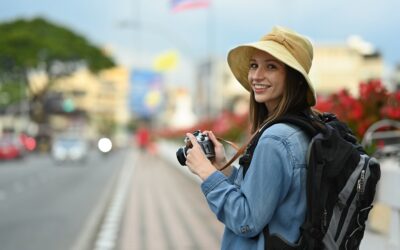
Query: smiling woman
point(275, 72)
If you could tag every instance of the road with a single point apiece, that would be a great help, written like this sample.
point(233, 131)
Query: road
point(45, 206)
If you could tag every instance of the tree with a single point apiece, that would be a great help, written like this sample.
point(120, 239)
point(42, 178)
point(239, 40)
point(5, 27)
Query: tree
point(37, 45)
point(29, 44)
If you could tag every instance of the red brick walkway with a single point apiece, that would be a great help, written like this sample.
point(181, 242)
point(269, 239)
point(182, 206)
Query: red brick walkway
point(166, 210)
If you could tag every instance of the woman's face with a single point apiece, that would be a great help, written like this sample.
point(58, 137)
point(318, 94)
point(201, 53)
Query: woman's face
point(267, 77)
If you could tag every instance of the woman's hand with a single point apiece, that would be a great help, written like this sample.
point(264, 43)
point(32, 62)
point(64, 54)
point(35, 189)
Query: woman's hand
point(220, 157)
point(197, 161)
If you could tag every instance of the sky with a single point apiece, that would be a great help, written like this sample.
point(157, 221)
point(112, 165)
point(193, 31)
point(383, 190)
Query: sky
point(136, 31)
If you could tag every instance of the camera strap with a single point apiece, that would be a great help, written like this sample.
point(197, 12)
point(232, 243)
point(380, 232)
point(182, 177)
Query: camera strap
point(239, 150)
point(233, 145)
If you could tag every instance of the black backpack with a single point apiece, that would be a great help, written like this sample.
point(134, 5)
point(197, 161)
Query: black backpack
point(341, 184)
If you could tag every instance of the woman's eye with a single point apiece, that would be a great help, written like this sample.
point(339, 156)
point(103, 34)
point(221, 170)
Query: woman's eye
point(253, 66)
point(271, 66)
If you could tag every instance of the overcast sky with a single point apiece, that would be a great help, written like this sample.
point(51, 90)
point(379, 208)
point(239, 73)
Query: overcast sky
point(196, 33)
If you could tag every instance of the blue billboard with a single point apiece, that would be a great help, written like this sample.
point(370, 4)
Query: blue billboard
point(146, 93)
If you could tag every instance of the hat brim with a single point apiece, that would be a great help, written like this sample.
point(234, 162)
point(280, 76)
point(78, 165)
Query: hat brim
point(239, 58)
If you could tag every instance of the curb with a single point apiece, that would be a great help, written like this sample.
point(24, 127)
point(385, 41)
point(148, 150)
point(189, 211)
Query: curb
point(89, 232)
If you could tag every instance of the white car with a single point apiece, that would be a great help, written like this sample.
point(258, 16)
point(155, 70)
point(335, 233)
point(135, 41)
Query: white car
point(69, 148)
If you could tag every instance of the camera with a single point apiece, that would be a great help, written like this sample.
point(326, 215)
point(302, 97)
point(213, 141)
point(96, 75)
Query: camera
point(205, 143)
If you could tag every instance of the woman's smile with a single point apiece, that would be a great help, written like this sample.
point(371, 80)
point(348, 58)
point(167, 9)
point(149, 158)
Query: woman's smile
point(260, 88)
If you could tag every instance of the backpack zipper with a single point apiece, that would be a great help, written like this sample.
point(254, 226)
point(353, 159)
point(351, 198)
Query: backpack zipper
point(361, 185)
point(362, 181)
point(325, 219)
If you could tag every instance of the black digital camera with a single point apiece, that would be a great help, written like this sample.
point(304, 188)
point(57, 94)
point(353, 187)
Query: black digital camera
point(205, 143)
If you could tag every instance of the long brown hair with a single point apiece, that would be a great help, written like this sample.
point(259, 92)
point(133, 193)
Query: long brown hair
point(294, 99)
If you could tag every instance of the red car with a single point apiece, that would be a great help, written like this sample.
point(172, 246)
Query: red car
point(9, 148)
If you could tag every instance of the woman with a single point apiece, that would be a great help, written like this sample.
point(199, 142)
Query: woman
point(273, 192)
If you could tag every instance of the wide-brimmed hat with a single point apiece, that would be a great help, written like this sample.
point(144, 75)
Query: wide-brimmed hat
point(287, 46)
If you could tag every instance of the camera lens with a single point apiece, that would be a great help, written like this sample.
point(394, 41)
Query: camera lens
point(181, 156)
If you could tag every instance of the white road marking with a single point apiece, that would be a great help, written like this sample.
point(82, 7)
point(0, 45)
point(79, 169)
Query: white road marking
point(108, 235)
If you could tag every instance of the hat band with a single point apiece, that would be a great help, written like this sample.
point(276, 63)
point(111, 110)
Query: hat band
point(296, 53)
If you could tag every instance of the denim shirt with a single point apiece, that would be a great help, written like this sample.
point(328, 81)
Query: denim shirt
point(273, 191)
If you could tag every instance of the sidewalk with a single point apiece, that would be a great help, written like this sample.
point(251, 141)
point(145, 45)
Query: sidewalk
point(166, 210)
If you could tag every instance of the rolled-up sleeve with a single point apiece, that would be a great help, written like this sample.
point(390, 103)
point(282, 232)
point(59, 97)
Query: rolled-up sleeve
point(247, 208)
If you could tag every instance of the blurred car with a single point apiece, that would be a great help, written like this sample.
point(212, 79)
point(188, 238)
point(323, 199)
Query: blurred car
point(28, 142)
point(66, 148)
point(10, 148)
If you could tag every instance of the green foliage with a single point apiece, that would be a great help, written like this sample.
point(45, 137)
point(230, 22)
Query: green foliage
point(11, 92)
point(25, 44)
point(38, 44)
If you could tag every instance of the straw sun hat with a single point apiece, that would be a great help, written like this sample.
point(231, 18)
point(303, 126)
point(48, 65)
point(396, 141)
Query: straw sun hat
point(287, 46)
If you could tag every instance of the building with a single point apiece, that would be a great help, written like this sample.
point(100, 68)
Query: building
point(338, 67)
point(179, 109)
point(217, 90)
point(396, 78)
point(234, 97)
point(100, 99)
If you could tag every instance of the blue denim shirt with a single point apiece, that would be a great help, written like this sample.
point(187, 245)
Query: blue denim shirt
point(273, 191)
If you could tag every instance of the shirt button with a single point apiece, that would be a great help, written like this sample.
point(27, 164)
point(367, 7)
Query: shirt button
point(244, 229)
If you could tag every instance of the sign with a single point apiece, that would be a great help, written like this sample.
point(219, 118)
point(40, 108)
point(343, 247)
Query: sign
point(146, 93)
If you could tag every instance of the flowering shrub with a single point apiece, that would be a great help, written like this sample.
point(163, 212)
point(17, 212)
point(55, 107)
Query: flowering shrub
point(227, 125)
point(373, 103)
point(392, 108)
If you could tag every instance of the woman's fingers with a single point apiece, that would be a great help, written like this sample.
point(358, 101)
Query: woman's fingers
point(192, 139)
point(213, 138)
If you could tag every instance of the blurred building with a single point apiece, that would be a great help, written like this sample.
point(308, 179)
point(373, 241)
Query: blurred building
point(396, 77)
point(339, 66)
point(230, 94)
point(97, 102)
point(113, 101)
point(217, 90)
point(179, 109)
point(112, 94)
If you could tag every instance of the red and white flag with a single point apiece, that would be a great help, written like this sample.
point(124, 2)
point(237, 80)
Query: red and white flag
point(180, 5)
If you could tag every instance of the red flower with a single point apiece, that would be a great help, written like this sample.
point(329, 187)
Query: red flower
point(324, 104)
point(372, 89)
point(392, 109)
point(356, 111)
point(374, 103)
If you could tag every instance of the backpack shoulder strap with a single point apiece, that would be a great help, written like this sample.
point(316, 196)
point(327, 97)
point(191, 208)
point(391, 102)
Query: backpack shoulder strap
point(309, 124)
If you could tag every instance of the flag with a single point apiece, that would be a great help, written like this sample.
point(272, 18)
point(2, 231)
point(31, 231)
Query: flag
point(179, 5)
point(166, 61)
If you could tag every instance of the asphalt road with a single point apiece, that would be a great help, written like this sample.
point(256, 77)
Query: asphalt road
point(47, 206)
